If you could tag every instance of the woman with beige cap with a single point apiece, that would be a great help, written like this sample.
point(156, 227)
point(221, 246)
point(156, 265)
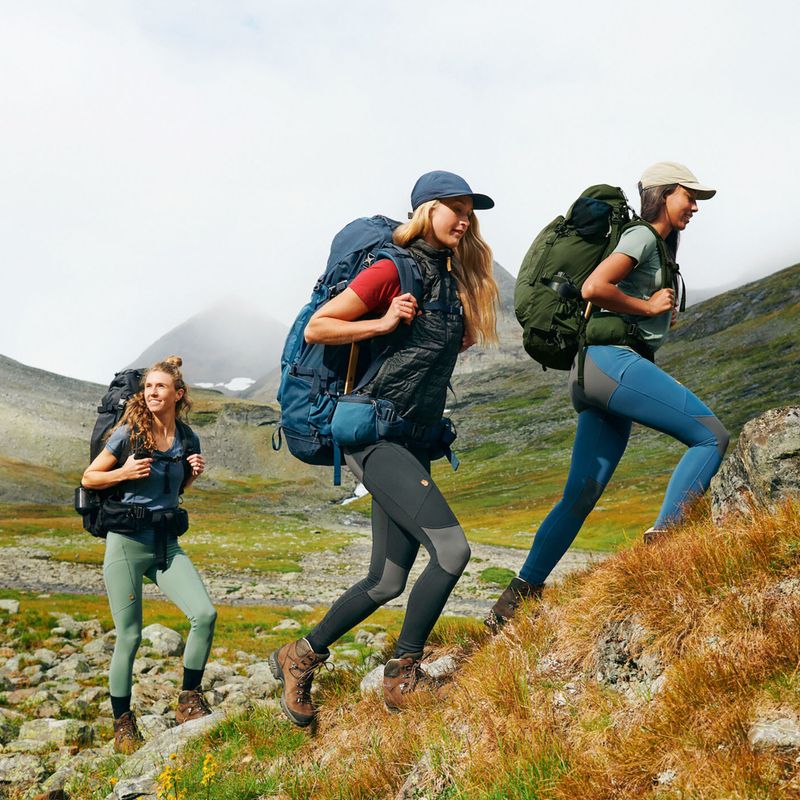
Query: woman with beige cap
point(630, 289)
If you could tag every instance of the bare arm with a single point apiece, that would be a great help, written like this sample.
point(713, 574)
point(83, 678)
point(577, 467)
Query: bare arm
point(601, 289)
point(198, 464)
point(338, 321)
point(103, 473)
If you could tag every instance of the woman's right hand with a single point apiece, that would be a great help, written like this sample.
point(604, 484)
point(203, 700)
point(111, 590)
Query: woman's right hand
point(403, 308)
point(661, 301)
point(135, 468)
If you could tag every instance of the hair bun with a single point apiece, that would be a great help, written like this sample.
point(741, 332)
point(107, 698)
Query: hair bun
point(175, 361)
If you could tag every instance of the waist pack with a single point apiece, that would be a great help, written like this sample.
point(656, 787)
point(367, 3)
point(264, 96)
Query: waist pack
point(605, 328)
point(128, 518)
point(359, 420)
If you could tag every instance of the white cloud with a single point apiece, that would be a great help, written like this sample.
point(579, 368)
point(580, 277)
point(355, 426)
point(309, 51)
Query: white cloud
point(160, 155)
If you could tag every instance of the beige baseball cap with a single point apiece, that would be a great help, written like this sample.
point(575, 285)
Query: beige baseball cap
point(664, 173)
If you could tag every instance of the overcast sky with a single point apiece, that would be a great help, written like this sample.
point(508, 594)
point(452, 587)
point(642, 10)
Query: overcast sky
point(159, 155)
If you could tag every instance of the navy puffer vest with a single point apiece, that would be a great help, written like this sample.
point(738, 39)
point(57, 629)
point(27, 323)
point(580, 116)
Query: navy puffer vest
point(416, 373)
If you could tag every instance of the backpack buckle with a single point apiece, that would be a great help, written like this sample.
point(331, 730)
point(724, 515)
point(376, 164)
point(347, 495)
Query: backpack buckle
point(138, 512)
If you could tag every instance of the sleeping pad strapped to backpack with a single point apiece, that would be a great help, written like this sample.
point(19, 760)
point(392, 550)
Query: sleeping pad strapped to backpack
point(313, 376)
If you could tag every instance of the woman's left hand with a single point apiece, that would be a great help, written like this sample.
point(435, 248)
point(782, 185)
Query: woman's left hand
point(198, 464)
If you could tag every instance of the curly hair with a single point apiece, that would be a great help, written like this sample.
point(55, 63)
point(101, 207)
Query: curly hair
point(138, 416)
point(472, 267)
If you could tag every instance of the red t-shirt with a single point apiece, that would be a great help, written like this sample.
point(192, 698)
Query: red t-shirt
point(377, 285)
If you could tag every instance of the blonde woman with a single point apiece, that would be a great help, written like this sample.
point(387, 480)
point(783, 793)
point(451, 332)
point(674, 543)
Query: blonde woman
point(458, 309)
point(150, 458)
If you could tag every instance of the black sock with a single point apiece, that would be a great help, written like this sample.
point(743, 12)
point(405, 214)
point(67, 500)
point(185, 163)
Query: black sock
point(192, 678)
point(119, 705)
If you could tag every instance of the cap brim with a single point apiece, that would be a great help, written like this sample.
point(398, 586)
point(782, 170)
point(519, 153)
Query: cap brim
point(701, 192)
point(480, 202)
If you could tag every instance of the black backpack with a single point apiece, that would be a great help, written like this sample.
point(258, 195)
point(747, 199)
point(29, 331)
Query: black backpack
point(124, 385)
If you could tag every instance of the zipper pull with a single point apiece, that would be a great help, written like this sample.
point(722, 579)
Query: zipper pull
point(449, 267)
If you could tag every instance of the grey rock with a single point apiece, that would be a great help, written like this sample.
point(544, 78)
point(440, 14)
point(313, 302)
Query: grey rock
point(143, 788)
point(93, 693)
point(372, 682)
point(98, 647)
point(11, 606)
point(216, 673)
point(624, 663)
point(150, 759)
point(440, 667)
point(163, 639)
point(152, 725)
point(303, 608)
point(666, 777)
point(379, 640)
point(778, 732)
point(28, 746)
point(144, 665)
point(364, 637)
point(58, 731)
point(287, 625)
point(66, 624)
point(74, 666)
point(260, 682)
point(20, 769)
point(46, 657)
point(763, 469)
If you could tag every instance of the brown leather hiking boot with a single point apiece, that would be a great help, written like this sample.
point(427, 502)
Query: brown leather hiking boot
point(127, 738)
point(505, 607)
point(294, 666)
point(400, 678)
point(191, 705)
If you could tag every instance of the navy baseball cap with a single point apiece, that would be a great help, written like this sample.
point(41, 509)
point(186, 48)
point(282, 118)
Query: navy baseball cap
point(439, 184)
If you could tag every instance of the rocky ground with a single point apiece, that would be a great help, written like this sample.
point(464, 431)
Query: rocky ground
point(324, 576)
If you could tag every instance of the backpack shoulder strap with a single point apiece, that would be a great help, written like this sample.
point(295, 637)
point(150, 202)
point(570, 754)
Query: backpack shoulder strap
point(187, 440)
point(407, 269)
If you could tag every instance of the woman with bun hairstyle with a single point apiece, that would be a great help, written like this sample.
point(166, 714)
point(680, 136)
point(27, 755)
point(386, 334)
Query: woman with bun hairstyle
point(458, 309)
point(149, 459)
point(621, 383)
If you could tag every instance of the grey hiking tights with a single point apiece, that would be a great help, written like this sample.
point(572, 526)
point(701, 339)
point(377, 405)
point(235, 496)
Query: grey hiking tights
point(408, 510)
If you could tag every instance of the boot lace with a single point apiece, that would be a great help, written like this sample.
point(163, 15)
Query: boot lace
point(305, 676)
point(197, 702)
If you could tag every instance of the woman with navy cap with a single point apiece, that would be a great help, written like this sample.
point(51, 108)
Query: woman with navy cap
point(458, 309)
point(622, 385)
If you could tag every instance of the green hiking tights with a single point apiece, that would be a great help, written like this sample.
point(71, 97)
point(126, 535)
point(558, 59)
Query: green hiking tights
point(127, 561)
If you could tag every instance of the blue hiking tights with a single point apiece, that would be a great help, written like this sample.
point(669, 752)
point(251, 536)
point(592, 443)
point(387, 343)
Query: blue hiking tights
point(620, 387)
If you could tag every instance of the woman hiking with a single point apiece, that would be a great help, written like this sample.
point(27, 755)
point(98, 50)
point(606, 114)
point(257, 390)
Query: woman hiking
point(622, 385)
point(458, 308)
point(144, 522)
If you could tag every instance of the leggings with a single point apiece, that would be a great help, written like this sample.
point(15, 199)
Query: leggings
point(127, 560)
point(408, 510)
point(620, 387)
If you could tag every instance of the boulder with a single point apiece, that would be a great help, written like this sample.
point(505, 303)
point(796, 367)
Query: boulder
point(163, 639)
point(61, 732)
point(763, 469)
point(21, 769)
point(11, 606)
point(440, 668)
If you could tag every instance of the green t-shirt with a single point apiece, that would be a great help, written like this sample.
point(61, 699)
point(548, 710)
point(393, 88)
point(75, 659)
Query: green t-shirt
point(639, 242)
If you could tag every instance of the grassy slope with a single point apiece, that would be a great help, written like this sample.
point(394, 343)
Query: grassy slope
point(526, 716)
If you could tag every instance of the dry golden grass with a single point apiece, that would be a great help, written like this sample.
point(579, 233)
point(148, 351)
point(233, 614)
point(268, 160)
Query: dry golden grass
point(526, 716)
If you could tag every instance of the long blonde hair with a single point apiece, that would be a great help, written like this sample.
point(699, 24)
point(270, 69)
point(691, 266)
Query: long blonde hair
point(138, 416)
point(472, 268)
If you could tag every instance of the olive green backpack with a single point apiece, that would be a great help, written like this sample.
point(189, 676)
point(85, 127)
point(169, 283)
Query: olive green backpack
point(547, 296)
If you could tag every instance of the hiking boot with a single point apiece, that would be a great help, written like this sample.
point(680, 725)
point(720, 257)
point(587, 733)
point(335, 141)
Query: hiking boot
point(400, 678)
point(127, 738)
point(191, 705)
point(294, 666)
point(505, 607)
point(652, 535)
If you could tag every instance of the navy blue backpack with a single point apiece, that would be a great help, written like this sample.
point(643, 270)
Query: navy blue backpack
point(313, 376)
